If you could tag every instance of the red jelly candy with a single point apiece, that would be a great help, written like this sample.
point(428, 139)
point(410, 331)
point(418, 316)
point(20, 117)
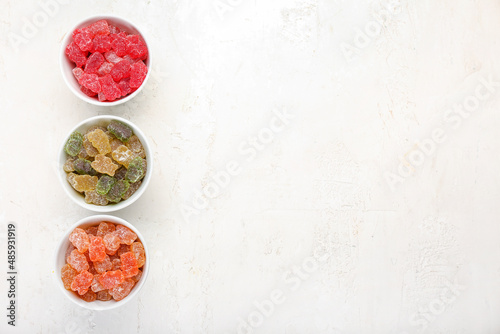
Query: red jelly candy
point(87, 91)
point(97, 250)
point(120, 70)
point(126, 235)
point(112, 57)
point(94, 62)
point(123, 249)
point(137, 49)
point(81, 283)
point(91, 81)
point(124, 85)
point(84, 40)
point(137, 277)
point(77, 261)
point(140, 254)
point(104, 295)
point(77, 72)
point(80, 239)
point(113, 29)
point(129, 265)
point(98, 28)
point(76, 55)
point(110, 279)
point(138, 72)
point(104, 69)
point(109, 88)
point(122, 290)
point(102, 43)
point(119, 43)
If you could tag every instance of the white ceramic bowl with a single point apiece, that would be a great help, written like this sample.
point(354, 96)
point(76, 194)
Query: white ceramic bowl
point(78, 198)
point(60, 261)
point(67, 65)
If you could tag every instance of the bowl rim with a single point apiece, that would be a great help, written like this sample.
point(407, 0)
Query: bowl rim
point(98, 305)
point(78, 198)
point(65, 41)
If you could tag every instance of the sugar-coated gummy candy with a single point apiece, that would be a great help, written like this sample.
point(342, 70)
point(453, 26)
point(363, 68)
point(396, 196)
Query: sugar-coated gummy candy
point(74, 144)
point(122, 290)
point(82, 183)
point(97, 250)
point(91, 81)
point(120, 70)
point(112, 57)
point(116, 192)
point(134, 144)
point(110, 88)
point(84, 40)
point(91, 267)
point(89, 296)
point(113, 29)
point(77, 72)
point(135, 170)
point(138, 72)
point(115, 143)
point(69, 250)
point(104, 296)
point(103, 266)
point(76, 55)
point(119, 43)
point(100, 140)
point(137, 248)
point(77, 261)
point(95, 127)
point(126, 235)
point(124, 248)
point(83, 153)
point(121, 130)
point(105, 228)
point(94, 62)
point(131, 190)
point(83, 167)
point(105, 68)
point(123, 155)
point(100, 27)
point(104, 165)
point(92, 197)
point(116, 263)
point(137, 277)
point(68, 165)
point(111, 278)
point(136, 47)
point(87, 91)
point(101, 43)
point(104, 184)
point(91, 230)
point(112, 243)
point(91, 150)
point(125, 88)
point(81, 283)
point(67, 276)
point(129, 266)
point(80, 239)
point(120, 173)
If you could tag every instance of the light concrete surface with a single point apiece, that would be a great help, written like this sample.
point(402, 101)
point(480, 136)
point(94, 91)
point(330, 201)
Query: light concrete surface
point(362, 146)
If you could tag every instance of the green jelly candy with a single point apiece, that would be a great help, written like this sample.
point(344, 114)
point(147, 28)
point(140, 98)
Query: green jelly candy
point(135, 170)
point(105, 184)
point(83, 166)
point(117, 191)
point(74, 144)
point(120, 130)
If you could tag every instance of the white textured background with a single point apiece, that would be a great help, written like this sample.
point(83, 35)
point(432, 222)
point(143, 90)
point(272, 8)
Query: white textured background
point(420, 256)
